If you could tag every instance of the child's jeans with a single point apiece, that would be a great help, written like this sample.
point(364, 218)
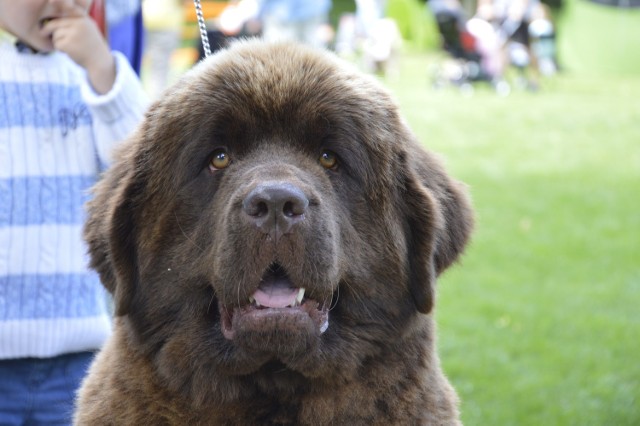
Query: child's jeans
point(41, 391)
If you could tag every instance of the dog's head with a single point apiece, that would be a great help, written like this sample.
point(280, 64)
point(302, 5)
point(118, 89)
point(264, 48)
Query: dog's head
point(273, 213)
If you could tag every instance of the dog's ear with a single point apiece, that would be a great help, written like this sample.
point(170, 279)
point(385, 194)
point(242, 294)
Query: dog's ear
point(440, 221)
point(110, 231)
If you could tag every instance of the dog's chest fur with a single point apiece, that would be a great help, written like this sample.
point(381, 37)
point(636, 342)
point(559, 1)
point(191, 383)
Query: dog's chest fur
point(405, 393)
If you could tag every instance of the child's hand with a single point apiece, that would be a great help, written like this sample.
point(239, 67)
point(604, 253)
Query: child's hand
point(77, 35)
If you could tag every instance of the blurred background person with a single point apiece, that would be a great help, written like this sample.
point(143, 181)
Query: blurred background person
point(125, 29)
point(163, 21)
point(377, 36)
point(301, 20)
point(511, 19)
point(368, 13)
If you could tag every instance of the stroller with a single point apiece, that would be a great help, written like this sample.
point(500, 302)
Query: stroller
point(472, 46)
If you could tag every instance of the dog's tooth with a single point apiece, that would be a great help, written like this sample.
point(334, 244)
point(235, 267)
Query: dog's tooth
point(324, 326)
point(253, 301)
point(300, 296)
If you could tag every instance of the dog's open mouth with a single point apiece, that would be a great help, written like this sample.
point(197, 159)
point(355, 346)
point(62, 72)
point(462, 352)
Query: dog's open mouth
point(276, 307)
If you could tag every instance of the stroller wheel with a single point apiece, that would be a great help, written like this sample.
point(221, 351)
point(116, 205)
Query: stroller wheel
point(466, 89)
point(501, 87)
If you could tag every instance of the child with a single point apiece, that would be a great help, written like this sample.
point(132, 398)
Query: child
point(65, 101)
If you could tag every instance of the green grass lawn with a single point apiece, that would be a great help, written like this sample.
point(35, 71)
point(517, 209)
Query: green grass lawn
point(539, 324)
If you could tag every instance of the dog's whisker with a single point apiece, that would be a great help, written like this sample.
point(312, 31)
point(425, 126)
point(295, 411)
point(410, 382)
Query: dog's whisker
point(185, 234)
point(213, 297)
point(360, 300)
point(334, 303)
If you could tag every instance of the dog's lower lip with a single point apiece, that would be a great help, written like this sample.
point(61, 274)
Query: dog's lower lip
point(316, 313)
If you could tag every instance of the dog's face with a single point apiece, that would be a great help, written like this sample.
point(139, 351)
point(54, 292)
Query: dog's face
point(272, 220)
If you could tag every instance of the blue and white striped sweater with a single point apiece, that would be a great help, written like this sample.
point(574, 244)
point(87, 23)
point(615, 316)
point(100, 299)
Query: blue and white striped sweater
point(55, 137)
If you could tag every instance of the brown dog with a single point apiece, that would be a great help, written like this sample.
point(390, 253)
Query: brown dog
point(272, 235)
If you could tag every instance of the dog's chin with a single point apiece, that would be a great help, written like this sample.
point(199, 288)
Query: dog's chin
point(282, 332)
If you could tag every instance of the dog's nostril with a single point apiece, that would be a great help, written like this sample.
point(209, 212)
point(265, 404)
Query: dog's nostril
point(291, 209)
point(261, 209)
point(255, 207)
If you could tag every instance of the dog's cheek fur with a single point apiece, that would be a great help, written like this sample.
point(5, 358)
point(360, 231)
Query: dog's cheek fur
point(177, 319)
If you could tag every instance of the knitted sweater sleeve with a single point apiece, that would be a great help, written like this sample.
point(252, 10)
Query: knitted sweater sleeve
point(117, 113)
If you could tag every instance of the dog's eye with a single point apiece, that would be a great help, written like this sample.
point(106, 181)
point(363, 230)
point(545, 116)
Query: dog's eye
point(219, 160)
point(328, 160)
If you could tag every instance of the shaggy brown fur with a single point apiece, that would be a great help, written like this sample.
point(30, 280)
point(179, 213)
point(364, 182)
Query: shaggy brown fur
point(267, 169)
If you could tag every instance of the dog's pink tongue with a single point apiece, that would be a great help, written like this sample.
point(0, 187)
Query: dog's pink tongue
point(276, 294)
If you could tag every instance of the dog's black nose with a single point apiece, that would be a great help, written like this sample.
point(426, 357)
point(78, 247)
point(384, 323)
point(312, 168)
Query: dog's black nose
point(275, 207)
